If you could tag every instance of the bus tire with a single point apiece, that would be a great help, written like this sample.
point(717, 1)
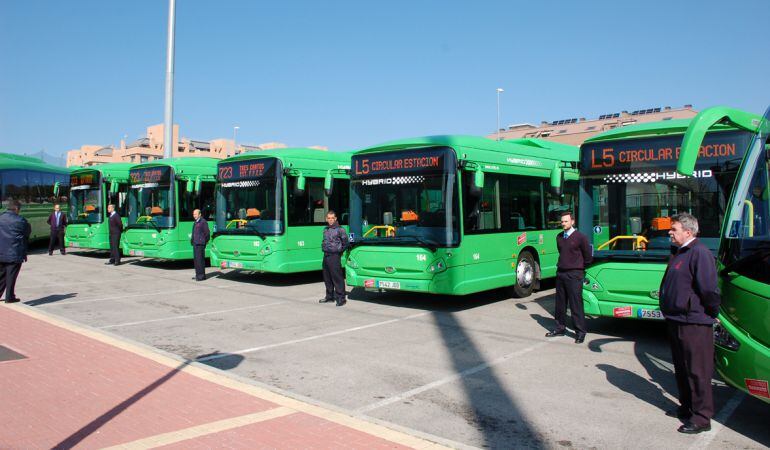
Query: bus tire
point(525, 275)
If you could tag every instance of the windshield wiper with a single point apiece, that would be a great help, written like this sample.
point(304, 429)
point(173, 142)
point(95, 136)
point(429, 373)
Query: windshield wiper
point(757, 254)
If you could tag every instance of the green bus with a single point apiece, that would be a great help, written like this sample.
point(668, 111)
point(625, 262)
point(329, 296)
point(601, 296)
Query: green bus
point(162, 196)
point(629, 190)
point(37, 186)
point(742, 336)
point(271, 208)
point(91, 190)
point(458, 214)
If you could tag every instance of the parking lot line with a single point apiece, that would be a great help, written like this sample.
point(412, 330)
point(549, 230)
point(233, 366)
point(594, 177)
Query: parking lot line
point(310, 338)
point(141, 294)
point(450, 378)
point(187, 316)
point(719, 420)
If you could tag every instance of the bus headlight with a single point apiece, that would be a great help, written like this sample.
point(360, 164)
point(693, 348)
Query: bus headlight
point(437, 266)
point(724, 339)
point(590, 284)
point(352, 263)
point(266, 250)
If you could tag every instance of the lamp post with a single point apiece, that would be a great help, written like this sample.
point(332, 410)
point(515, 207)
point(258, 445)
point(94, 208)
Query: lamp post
point(235, 135)
point(499, 90)
point(168, 116)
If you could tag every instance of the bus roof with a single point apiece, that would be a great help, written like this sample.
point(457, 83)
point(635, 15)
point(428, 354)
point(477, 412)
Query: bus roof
point(652, 129)
point(22, 162)
point(288, 155)
point(474, 146)
point(189, 165)
point(108, 170)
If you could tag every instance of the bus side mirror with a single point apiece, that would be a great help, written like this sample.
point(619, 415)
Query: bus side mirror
point(557, 181)
point(299, 188)
point(189, 186)
point(198, 183)
point(328, 183)
point(56, 188)
point(113, 187)
point(478, 182)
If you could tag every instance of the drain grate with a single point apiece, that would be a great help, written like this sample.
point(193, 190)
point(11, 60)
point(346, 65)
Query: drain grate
point(6, 354)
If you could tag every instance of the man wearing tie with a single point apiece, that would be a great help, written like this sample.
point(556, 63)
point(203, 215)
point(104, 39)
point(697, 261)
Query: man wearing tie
point(200, 237)
point(116, 229)
point(58, 222)
point(574, 255)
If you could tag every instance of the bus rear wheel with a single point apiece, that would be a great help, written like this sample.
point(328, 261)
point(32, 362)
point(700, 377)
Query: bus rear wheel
point(525, 275)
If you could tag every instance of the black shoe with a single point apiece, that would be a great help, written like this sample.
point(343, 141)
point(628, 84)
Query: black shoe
point(12, 300)
point(580, 338)
point(50, 254)
point(690, 428)
point(341, 303)
point(555, 333)
point(678, 413)
point(115, 264)
point(325, 300)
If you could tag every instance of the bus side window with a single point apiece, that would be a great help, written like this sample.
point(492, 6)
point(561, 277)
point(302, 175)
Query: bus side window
point(206, 200)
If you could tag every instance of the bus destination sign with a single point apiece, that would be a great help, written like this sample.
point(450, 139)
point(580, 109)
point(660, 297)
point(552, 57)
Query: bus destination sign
point(384, 164)
point(84, 179)
point(245, 170)
point(160, 175)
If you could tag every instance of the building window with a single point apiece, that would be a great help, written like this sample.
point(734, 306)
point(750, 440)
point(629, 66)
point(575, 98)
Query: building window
point(592, 127)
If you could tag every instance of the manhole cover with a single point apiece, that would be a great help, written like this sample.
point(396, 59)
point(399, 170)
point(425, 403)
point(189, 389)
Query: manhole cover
point(6, 354)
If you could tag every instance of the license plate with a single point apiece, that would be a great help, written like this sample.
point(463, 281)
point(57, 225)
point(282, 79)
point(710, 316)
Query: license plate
point(74, 244)
point(650, 314)
point(235, 265)
point(138, 252)
point(389, 284)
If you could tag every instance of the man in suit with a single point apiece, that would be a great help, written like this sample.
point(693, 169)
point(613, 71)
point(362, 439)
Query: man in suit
point(199, 238)
point(574, 255)
point(58, 222)
point(334, 243)
point(689, 300)
point(14, 237)
point(116, 229)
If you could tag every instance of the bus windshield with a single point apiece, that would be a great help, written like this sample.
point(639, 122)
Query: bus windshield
point(406, 197)
point(151, 198)
point(85, 205)
point(746, 248)
point(249, 199)
point(634, 191)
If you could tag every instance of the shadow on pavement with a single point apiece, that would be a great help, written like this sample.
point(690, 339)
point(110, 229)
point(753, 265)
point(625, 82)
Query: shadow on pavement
point(442, 303)
point(50, 299)
point(93, 426)
point(272, 279)
point(221, 361)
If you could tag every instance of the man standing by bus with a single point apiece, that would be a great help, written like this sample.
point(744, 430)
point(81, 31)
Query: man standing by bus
point(574, 255)
point(689, 300)
point(200, 237)
point(335, 241)
point(14, 237)
point(58, 222)
point(116, 229)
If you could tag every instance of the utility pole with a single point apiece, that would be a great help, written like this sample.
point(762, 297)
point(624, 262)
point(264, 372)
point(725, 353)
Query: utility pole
point(168, 119)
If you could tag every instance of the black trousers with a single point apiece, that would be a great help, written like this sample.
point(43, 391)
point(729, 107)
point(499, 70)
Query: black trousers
point(8, 274)
point(115, 249)
point(692, 349)
point(199, 259)
point(334, 277)
point(57, 240)
point(569, 287)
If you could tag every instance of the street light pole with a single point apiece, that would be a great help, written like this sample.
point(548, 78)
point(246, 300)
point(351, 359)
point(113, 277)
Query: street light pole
point(235, 135)
point(499, 90)
point(168, 119)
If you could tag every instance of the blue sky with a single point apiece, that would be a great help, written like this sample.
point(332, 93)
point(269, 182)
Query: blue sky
point(349, 74)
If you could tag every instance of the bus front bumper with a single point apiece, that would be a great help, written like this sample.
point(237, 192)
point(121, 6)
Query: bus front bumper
point(595, 306)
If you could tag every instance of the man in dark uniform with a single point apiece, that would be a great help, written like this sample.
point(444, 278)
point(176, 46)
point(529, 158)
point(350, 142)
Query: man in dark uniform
point(335, 241)
point(14, 237)
point(574, 255)
point(200, 237)
point(689, 300)
point(58, 222)
point(116, 229)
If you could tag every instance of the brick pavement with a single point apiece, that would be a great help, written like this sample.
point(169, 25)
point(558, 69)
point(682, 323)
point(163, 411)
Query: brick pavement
point(86, 389)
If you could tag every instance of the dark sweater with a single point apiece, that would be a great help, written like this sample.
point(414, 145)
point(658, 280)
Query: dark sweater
point(689, 291)
point(574, 252)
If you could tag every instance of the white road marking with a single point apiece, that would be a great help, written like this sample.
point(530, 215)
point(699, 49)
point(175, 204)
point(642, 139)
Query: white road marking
point(450, 378)
point(719, 420)
point(117, 297)
point(187, 316)
point(309, 338)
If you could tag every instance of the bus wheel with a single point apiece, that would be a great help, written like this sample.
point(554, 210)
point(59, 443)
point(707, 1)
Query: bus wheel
point(525, 275)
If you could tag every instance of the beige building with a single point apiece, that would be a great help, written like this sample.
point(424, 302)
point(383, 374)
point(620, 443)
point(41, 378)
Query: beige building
point(150, 148)
point(576, 130)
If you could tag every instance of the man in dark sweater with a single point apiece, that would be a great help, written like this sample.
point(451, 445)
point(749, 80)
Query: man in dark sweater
point(574, 255)
point(689, 300)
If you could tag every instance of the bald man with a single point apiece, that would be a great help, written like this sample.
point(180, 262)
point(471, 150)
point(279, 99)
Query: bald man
point(200, 237)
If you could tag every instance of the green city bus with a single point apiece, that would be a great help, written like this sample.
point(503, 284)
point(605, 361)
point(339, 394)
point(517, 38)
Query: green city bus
point(458, 214)
point(742, 336)
point(91, 190)
point(36, 185)
point(272, 205)
point(629, 190)
point(162, 196)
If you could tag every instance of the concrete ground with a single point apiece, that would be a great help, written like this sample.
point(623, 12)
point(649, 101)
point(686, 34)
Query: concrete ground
point(473, 371)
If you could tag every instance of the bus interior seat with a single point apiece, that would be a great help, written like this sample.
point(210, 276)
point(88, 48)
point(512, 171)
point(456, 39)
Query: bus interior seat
point(486, 220)
point(518, 222)
point(156, 211)
point(319, 215)
point(253, 213)
point(635, 225)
